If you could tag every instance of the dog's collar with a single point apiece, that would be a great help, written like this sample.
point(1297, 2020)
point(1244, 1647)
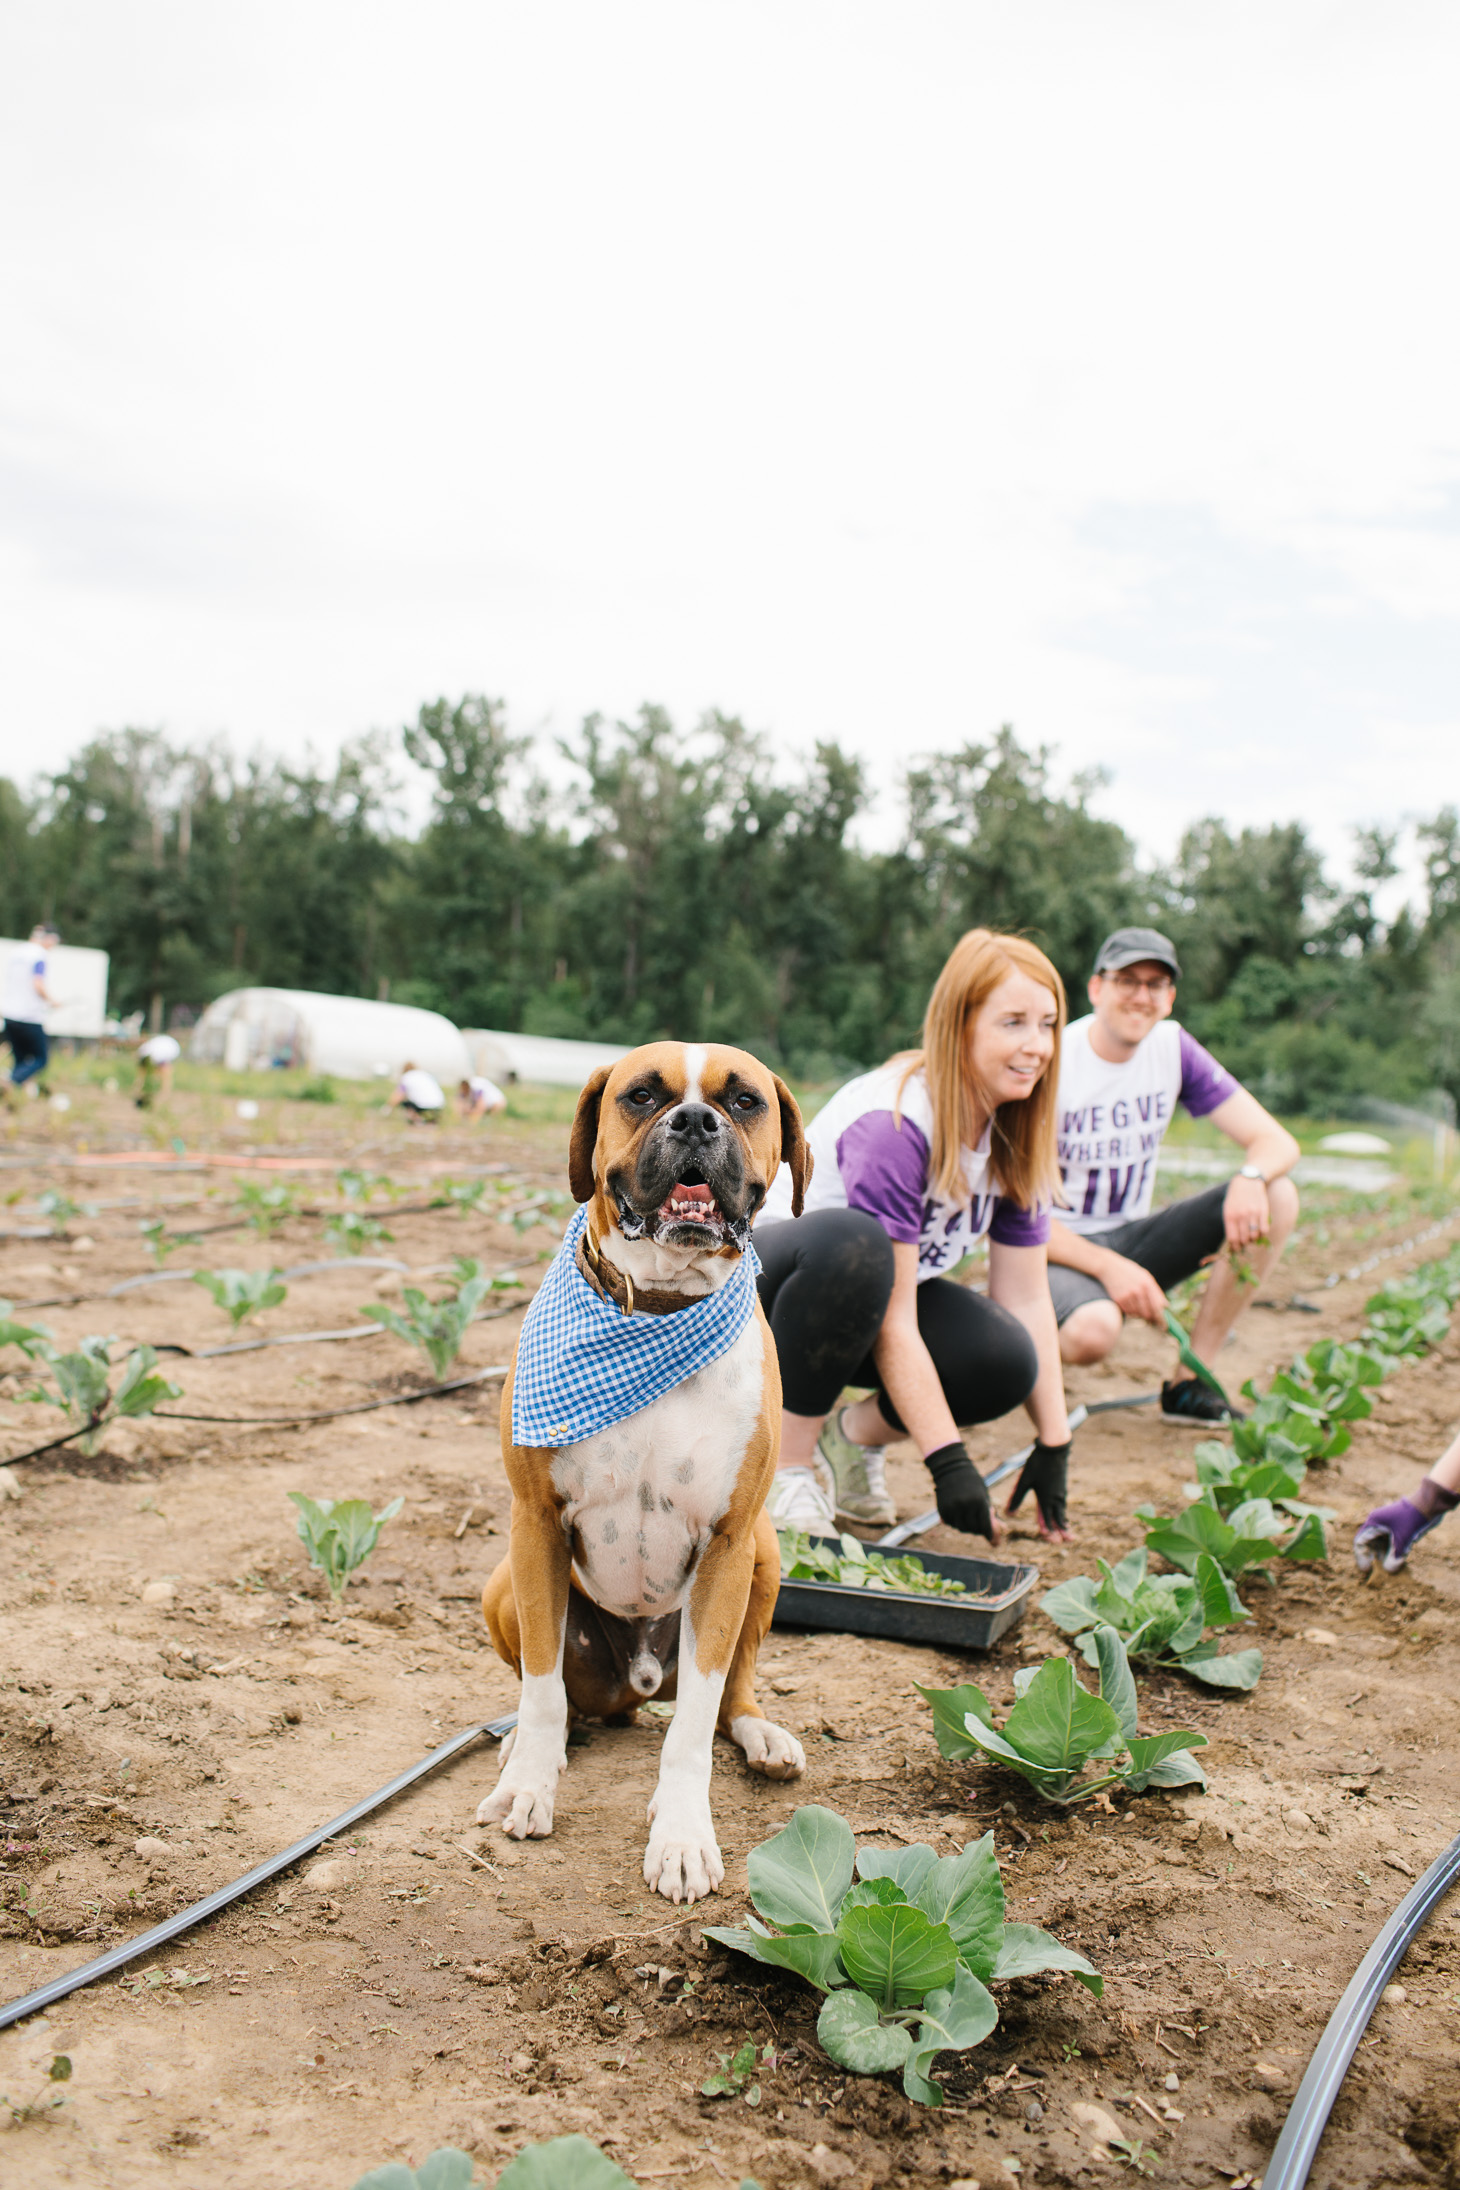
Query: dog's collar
point(611, 1283)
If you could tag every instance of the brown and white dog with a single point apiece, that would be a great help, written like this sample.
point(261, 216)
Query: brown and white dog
point(642, 1559)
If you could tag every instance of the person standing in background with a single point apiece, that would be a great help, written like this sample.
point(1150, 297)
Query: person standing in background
point(24, 998)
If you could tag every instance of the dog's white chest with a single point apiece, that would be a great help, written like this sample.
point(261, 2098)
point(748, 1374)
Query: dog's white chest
point(642, 1499)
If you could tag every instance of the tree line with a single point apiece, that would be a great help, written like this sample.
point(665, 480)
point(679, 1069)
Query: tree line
point(639, 879)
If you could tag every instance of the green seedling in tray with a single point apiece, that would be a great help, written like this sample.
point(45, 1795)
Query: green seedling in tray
point(903, 1942)
point(437, 1327)
point(243, 1294)
point(1161, 1619)
point(1057, 1729)
point(83, 1389)
point(854, 1566)
point(339, 1534)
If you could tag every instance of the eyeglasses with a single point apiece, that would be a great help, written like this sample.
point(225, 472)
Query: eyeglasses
point(1158, 984)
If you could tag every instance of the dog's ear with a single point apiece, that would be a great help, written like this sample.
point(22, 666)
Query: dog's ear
point(794, 1150)
point(584, 1137)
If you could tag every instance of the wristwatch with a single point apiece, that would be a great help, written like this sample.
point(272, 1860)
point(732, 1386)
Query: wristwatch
point(1250, 1171)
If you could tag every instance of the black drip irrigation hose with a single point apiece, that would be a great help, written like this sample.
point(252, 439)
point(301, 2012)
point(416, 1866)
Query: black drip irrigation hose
point(91, 1972)
point(277, 1421)
point(1294, 2152)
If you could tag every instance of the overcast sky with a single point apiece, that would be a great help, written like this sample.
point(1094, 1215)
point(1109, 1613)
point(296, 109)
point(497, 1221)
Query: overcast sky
point(878, 372)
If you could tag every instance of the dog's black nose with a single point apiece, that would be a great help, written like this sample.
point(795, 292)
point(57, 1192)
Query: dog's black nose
point(694, 1120)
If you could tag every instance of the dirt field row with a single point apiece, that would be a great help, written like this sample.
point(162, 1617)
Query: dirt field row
point(179, 1701)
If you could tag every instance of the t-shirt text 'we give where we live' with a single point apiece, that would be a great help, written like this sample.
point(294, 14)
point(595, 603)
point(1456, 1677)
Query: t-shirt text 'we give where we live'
point(1113, 1118)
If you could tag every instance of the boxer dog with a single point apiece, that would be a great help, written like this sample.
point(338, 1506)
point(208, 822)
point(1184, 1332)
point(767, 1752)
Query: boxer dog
point(642, 1560)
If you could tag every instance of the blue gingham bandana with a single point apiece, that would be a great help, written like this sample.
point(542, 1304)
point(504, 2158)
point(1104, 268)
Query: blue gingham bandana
point(582, 1364)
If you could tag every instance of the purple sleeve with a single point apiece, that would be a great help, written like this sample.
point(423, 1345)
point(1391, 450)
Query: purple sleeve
point(884, 1168)
point(1016, 1227)
point(1204, 1083)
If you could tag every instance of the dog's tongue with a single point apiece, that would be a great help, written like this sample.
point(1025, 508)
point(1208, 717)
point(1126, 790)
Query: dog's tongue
point(691, 1193)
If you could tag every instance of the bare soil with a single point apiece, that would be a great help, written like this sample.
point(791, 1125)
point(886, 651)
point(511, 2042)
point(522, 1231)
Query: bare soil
point(174, 1677)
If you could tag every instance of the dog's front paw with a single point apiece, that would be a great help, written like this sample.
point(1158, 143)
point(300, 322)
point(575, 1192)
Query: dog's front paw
point(521, 1805)
point(768, 1747)
point(683, 1860)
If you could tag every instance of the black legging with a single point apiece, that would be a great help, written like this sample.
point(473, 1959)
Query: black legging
point(825, 1283)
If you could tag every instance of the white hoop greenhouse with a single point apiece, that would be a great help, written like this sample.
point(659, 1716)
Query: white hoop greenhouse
point(346, 1037)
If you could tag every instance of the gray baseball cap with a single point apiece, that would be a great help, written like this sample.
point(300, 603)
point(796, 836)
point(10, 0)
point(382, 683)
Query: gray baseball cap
point(1130, 946)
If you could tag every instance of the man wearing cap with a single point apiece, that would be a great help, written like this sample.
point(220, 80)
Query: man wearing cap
point(1122, 1073)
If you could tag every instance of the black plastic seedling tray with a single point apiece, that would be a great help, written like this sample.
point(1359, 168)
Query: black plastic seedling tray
point(997, 1594)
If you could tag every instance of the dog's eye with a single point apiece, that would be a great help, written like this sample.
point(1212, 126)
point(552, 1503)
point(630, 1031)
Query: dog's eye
point(641, 1096)
point(746, 1102)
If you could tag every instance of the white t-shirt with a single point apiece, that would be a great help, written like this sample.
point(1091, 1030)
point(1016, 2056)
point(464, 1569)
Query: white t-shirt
point(1113, 1118)
point(868, 1157)
point(161, 1050)
point(419, 1088)
point(486, 1091)
point(18, 999)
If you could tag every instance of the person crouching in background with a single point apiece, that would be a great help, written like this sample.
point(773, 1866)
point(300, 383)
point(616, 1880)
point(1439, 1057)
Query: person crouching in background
point(936, 1149)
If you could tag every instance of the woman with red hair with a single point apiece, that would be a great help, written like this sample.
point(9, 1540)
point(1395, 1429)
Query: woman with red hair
point(914, 1162)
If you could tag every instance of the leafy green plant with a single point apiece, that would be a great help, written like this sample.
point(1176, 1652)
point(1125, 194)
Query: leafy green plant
point(1161, 1619)
point(83, 1387)
point(29, 2110)
point(243, 1294)
point(446, 2169)
point(1411, 1314)
point(59, 1210)
point(437, 1327)
point(161, 1243)
point(1249, 1537)
point(339, 1534)
point(31, 1338)
point(735, 2076)
point(351, 1229)
point(360, 1187)
point(853, 1566)
point(463, 1195)
point(904, 1943)
point(321, 1089)
point(266, 1207)
point(1057, 1728)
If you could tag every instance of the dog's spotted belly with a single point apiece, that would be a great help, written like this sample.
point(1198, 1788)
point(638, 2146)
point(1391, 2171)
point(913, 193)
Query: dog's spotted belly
point(641, 1499)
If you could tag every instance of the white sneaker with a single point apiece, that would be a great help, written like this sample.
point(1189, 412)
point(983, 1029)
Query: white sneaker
point(859, 1473)
point(797, 1500)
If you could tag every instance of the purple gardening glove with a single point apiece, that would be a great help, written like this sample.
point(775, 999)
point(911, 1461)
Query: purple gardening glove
point(1393, 1531)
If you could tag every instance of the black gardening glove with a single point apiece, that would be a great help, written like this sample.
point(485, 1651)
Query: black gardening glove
point(963, 1499)
point(1046, 1472)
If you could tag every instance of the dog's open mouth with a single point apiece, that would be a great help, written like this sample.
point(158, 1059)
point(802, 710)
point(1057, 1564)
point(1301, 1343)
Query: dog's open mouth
point(690, 1201)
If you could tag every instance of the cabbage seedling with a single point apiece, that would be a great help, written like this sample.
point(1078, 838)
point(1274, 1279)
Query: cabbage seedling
point(161, 1243)
point(58, 1209)
point(83, 1387)
point(1161, 1619)
point(352, 1230)
point(437, 1327)
point(31, 1338)
point(265, 1208)
point(1250, 1536)
point(361, 1186)
point(853, 1566)
point(446, 2169)
point(904, 1943)
point(1057, 1728)
point(462, 1195)
point(243, 1294)
point(339, 1534)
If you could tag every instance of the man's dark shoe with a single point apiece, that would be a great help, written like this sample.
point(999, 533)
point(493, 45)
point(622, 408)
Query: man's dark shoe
point(1196, 1404)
